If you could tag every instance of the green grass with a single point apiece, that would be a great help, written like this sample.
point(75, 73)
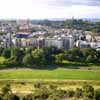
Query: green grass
point(57, 74)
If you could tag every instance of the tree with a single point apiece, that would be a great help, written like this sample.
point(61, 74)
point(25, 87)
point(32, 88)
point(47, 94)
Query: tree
point(39, 57)
point(28, 59)
point(74, 54)
point(90, 59)
point(89, 55)
point(6, 53)
point(59, 58)
point(17, 53)
point(1, 50)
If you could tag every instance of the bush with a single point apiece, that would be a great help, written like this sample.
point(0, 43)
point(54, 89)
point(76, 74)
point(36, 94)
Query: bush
point(7, 93)
point(88, 91)
point(6, 89)
point(41, 93)
point(1, 50)
point(38, 84)
point(6, 53)
point(97, 94)
point(70, 93)
point(28, 97)
point(78, 93)
point(56, 94)
point(54, 97)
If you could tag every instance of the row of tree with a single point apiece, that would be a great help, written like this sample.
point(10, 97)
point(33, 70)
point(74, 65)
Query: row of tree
point(51, 92)
point(49, 56)
point(86, 55)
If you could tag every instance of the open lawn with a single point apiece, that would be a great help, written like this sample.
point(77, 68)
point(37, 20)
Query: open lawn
point(56, 74)
point(22, 80)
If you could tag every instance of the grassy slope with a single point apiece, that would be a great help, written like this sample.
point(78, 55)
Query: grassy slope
point(58, 74)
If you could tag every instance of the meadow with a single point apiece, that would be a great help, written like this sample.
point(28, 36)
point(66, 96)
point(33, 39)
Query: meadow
point(55, 74)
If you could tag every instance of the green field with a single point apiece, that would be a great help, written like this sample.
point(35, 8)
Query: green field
point(56, 74)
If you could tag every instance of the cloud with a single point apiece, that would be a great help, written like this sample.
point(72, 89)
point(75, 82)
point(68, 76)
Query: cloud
point(74, 2)
point(41, 9)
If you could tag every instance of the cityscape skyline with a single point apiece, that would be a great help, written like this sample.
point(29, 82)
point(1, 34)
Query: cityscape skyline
point(49, 9)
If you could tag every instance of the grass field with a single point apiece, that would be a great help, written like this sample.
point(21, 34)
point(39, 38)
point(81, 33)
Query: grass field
point(57, 74)
point(22, 80)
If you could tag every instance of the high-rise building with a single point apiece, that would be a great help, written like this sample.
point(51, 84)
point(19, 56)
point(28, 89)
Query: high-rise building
point(68, 42)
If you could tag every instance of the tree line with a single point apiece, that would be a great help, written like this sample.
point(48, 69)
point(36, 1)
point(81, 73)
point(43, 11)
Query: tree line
point(48, 56)
point(83, 25)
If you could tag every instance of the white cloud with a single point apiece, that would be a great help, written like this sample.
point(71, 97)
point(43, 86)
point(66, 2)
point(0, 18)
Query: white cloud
point(41, 9)
point(86, 11)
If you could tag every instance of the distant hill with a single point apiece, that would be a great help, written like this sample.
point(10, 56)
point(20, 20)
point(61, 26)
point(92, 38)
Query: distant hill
point(91, 20)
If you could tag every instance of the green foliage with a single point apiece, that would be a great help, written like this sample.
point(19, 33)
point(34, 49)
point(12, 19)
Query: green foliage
point(70, 93)
point(39, 57)
point(18, 53)
point(41, 93)
point(90, 59)
point(49, 56)
point(7, 93)
point(82, 25)
point(47, 92)
point(6, 89)
point(28, 97)
point(12, 60)
point(87, 55)
point(28, 59)
point(59, 58)
point(38, 84)
point(88, 91)
point(6, 53)
point(1, 51)
point(97, 94)
point(74, 54)
point(78, 93)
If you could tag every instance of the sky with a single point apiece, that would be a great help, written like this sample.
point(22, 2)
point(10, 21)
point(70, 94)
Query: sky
point(49, 9)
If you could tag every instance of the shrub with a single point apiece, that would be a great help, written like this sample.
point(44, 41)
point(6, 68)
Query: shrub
point(54, 97)
point(1, 50)
point(38, 84)
point(97, 94)
point(6, 89)
point(56, 94)
point(70, 93)
point(78, 93)
point(53, 87)
point(88, 91)
point(6, 53)
point(41, 93)
point(28, 97)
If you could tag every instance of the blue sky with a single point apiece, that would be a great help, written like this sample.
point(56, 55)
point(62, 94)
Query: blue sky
point(46, 9)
